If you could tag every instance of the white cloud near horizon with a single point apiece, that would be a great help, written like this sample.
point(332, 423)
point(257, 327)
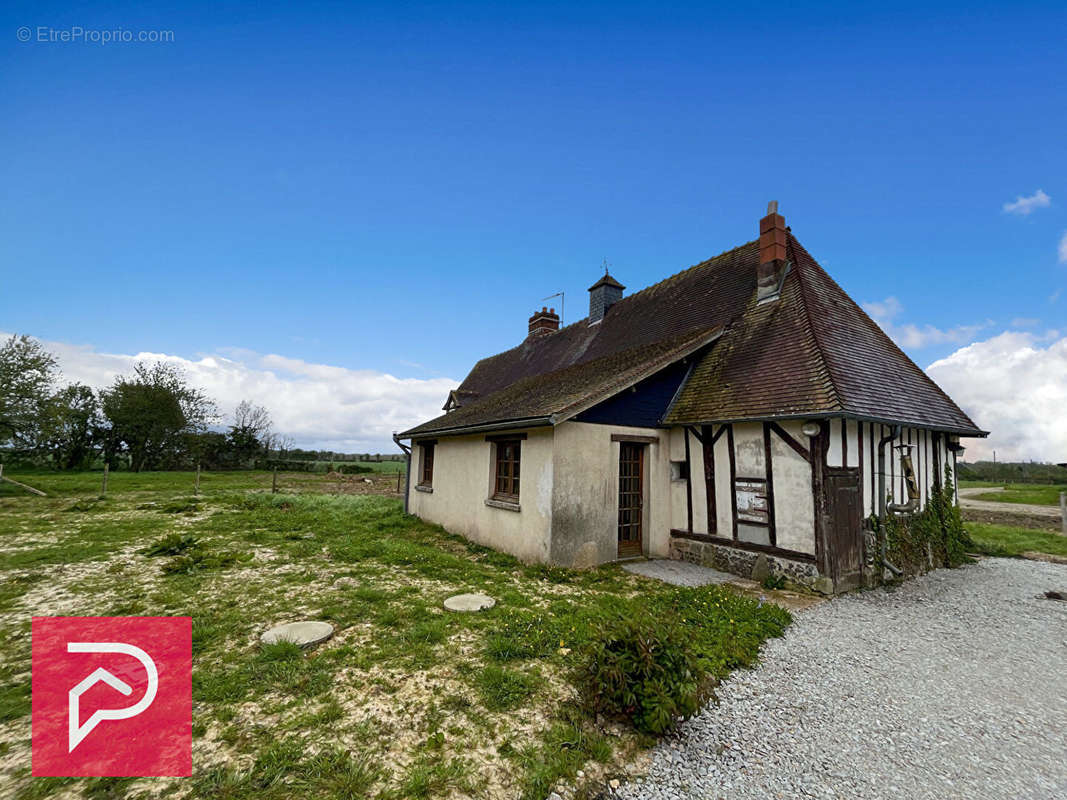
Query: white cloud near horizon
point(321, 406)
point(916, 337)
point(1015, 386)
point(1025, 205)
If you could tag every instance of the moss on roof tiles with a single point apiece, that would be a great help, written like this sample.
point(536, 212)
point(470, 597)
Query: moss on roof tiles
point(813, 351)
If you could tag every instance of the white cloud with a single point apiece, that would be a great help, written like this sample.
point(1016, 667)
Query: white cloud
point(1024, 322)
point(1063, 248)
point(319, 405)
point(915, 337)
point(1014, 387)
point(1024, 205)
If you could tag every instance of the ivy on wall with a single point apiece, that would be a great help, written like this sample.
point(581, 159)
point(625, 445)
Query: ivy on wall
point(933, 537)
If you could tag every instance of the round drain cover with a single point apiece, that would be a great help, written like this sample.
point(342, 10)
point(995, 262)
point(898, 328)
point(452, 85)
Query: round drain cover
point(304, 634)
point(469, 602)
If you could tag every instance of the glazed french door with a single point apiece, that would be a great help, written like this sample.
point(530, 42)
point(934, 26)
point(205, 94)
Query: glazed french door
point(631, 498)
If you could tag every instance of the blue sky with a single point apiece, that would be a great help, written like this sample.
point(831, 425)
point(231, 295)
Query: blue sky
point(394, 187)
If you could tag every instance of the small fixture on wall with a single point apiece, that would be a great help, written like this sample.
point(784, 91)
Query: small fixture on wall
point(811, 429)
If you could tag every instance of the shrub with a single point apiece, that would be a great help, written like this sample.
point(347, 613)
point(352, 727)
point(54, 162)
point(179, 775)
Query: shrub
point(643, 670)
point(935, 534)
point(199, 560)
point(353, 469)
point(773, 582)
point(172, 544)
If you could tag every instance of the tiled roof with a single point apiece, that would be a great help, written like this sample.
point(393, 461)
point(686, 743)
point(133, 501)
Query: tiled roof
point(538, 399)
point(812, 351)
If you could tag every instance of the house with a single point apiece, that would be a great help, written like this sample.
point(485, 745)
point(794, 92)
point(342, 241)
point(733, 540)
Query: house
point(743, 407)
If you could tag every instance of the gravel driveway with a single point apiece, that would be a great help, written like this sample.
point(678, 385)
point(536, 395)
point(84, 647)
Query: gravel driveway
point(951, 686)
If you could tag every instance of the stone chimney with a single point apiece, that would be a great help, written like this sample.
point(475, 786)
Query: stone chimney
point(772, 261)
point(603, 294)
point(544, 321)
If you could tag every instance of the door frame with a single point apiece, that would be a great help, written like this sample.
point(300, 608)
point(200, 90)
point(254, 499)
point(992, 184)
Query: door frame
point(641, 448)
point(850, 580)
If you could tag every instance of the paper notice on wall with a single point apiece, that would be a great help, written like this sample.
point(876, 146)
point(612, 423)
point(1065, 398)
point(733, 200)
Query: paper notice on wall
point(751, 500)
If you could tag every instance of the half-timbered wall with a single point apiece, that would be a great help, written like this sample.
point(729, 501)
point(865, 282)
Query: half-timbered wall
point(761, 484)
point(856, 444)
point(749, 482)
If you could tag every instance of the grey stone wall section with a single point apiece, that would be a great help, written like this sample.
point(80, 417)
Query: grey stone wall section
point(741, 562)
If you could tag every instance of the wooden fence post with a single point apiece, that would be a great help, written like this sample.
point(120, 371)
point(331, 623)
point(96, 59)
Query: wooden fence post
point(1063, 512)
point(274, 482)
point(103, 487)
point(196, 489)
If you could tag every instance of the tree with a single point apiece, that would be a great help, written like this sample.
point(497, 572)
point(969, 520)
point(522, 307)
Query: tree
point(250, 433)
point(27, 374)
point(69, 426)
point(150, 412)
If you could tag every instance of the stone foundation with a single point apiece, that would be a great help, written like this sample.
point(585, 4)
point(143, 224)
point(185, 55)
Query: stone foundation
point(745, 562)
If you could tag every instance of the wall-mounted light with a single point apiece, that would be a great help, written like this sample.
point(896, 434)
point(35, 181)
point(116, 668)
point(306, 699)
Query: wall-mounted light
point(811, 429)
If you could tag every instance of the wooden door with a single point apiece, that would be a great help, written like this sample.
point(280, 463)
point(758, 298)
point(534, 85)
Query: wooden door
point(631, 498)
point(844, 528)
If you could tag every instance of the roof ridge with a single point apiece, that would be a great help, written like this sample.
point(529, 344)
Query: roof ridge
point(569, 327)
point(810, 325)
point(669, 278)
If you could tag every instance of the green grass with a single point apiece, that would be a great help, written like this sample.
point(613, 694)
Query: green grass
point(1007, 541)
point(392, 706)
point(1029, 493)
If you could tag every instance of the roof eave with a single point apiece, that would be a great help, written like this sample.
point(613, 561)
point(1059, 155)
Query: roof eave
point(970, 433)
point(459, 430)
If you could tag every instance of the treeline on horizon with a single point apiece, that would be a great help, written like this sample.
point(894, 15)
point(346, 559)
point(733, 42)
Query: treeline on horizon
point(1012, 472)
point(151, 419)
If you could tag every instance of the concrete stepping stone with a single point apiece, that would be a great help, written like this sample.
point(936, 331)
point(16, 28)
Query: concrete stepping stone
point(304, 634)
point(469, 602)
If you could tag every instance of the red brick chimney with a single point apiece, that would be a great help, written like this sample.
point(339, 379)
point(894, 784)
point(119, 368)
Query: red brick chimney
point(772, 261)
point(544, 321)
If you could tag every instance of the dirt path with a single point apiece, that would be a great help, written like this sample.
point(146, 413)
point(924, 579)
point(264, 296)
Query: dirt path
point(968, 499)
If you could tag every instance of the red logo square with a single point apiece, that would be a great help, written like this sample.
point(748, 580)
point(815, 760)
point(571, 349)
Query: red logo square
point(112, 696)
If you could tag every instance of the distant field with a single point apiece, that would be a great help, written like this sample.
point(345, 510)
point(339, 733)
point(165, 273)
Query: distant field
point(1005, 540)
point(80, 484)
point(1031, 493)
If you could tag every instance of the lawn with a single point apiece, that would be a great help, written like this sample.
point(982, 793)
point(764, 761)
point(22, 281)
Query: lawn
point(1031, 493)
point(1005, 540)
point(406, 701)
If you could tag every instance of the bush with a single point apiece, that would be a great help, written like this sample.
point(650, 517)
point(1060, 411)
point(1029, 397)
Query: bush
point(934, 537)
point(172, 544)
point(200, 560)
point(353, 469)
point(643, 670)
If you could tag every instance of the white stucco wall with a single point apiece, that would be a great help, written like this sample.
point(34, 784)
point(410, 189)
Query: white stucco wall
point(585, 499)
point(794, 504)
point(462, 480)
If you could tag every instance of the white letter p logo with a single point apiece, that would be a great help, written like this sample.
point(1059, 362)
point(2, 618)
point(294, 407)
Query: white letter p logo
point(78, 732)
